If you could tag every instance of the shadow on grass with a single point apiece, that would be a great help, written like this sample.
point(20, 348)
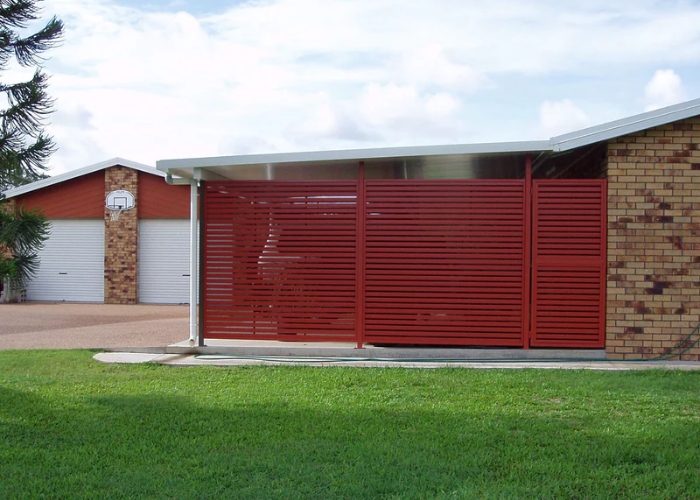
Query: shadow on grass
point(169, 447)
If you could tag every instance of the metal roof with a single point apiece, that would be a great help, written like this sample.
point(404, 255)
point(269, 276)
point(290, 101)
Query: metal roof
point(221, 167)
point(50, 181)
point(626, 126)
point(217, 166)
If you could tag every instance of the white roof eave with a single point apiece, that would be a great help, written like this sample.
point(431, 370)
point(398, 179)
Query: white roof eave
point(186, 167)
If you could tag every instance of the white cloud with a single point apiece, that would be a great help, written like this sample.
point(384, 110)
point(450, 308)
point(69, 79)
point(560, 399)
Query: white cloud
point(327, 120)
point(387, 105)
point(404, 112)
point(429, 66)
point(664, 89)
point(561, 117)
point(441, 105)
point(289, 75)
point(377, 113)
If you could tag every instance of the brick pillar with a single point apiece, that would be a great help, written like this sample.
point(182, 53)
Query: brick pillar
point(654, 242)
point(121, 241)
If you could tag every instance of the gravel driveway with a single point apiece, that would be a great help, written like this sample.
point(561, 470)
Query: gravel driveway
point(38, 325)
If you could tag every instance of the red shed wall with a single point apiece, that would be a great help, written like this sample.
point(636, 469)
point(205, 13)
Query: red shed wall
point(79, 198)
point(158, 200)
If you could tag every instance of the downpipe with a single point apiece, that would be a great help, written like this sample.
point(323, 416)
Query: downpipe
point(193, 252)
point(193, 262)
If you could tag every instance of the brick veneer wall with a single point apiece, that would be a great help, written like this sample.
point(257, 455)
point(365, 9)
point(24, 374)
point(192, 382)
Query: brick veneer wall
point(653, 293)
point(121, 241)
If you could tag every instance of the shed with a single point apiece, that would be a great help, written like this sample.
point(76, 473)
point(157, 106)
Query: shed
point(91, 258)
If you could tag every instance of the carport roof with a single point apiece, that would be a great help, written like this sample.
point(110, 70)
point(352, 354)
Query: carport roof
point(222, 167)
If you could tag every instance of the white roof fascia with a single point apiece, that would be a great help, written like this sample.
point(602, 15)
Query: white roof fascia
point(625, 126)
point(352, 154)
point(50, 181)
point(176, 181)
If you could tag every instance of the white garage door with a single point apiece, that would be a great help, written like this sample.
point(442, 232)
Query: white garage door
point(72, 263)
point(164, 261)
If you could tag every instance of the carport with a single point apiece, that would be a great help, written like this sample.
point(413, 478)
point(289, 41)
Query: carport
point(473, 245)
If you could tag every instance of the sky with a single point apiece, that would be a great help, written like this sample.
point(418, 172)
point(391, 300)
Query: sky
point(150, 80)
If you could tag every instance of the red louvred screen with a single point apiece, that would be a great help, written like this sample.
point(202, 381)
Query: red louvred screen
point(440, 262)
point(444, 262)
point(280, 260)
point(569, 263)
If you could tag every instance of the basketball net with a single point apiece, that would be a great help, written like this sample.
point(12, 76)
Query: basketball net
point(114, 212)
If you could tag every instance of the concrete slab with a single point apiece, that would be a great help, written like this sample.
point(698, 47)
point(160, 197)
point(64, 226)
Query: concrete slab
point(232, 361)
point(125, 357)
point(349, 350)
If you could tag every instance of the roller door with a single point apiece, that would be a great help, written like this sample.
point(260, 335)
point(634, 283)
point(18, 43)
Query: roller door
point(72, 263)
point(164, 261)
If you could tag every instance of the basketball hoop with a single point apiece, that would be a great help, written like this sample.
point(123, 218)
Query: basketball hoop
point(118, 201)
point(114, 212)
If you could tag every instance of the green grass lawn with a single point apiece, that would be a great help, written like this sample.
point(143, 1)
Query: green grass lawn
point(71, 427)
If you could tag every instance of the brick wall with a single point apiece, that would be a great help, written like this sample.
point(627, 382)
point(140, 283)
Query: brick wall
point(121, 241)
point(654, 241)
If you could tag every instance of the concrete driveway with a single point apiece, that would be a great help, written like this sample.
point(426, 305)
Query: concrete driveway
point(38, 325)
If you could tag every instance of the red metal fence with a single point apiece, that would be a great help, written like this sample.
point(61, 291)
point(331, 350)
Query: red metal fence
point(425, 262)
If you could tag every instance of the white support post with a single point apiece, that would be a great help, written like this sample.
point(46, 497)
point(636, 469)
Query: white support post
point(193, 262)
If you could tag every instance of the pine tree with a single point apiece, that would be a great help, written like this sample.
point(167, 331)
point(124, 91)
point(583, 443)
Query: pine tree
point(24, 148)
point(22, 236)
